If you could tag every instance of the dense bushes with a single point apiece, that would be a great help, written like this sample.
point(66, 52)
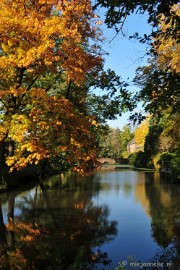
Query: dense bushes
point(138, 159)
point(170, 162)
point(165, 162)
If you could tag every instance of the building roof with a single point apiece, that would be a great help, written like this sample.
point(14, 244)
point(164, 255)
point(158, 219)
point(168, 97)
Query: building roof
point(132, 142)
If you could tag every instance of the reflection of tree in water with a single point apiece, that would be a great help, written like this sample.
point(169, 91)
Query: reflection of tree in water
point(60, 228)
point(165, 212)
point(127, 188)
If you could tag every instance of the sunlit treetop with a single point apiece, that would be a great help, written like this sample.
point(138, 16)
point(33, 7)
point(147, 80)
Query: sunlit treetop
point(166, 43)
point(38, 34)
point(141, 132)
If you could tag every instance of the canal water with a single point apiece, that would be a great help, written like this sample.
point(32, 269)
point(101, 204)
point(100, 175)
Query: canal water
point(113, 219)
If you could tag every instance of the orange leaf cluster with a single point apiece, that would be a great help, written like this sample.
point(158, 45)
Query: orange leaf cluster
point(38, 39)
point(52, 127)
point(34, 35)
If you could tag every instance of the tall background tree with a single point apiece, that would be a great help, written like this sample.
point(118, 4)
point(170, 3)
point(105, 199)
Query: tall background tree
point(158, 81)
point(110, 144)
point(113, 142)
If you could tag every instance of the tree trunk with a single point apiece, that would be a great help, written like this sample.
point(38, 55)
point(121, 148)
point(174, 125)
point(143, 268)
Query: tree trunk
point(3, 240)
point(11, 149)
point(11, 221)
point(2, 153)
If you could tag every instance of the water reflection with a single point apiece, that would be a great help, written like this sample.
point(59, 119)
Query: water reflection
point(55, 228)
point(165, 213)
point(108, 216)
point(147, 208)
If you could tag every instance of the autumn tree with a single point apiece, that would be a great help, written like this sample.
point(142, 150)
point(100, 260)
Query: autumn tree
point(161, 76)
point(44, 50)
point(159, 80)
point(163, 138)
point(159, 83)
point(169, 140)
point(166, 43)
point(141, 133)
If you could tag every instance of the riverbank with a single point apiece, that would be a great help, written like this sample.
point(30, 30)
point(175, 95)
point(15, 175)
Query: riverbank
point(10, 181)
point(15, 180)
point(123, 166)
point(166, 174)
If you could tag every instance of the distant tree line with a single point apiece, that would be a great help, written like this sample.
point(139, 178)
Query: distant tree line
point(113, 142)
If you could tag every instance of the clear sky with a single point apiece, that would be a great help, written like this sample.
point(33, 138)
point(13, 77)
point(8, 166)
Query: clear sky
point(126, 55)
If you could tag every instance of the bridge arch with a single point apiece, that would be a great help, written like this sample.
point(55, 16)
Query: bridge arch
point(106, 161)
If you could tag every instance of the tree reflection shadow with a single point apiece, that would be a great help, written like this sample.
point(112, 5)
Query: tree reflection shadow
point(165, 213)
point(57, 230)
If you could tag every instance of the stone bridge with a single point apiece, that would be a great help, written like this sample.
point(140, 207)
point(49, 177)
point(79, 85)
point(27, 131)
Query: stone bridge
point(106, 160)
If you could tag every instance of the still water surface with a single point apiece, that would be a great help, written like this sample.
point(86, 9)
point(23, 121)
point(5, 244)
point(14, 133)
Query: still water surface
point(111, 216)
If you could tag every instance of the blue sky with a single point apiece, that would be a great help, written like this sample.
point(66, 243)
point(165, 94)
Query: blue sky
point(126, 55)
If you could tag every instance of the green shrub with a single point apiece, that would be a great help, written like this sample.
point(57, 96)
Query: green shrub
point(138, 159)
point(170, 162)
point(132, 158)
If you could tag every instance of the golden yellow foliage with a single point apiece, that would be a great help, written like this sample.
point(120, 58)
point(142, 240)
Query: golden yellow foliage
point(141, 132)
point(43, 34)
point(166, 45)
point(38, 135)
point(39, 38)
